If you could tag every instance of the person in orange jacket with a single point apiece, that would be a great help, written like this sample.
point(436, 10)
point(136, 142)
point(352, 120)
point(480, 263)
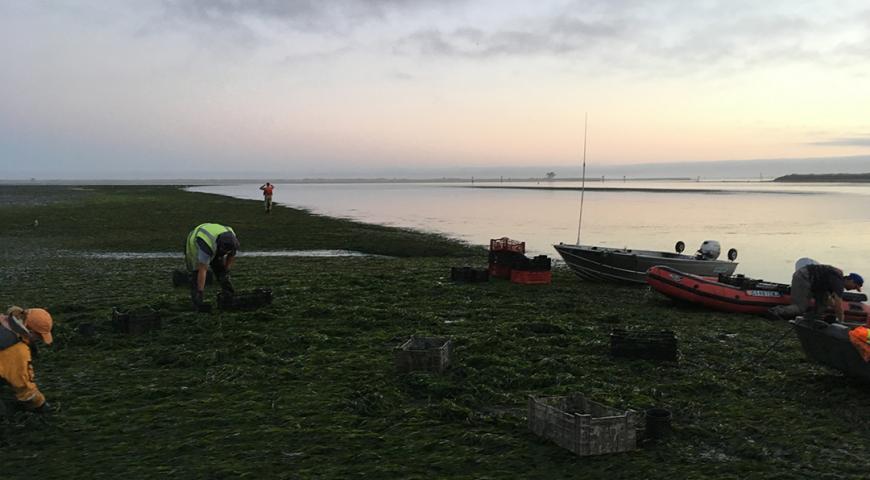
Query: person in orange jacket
point(20, 331)
point(267, 189)
point(860, 338)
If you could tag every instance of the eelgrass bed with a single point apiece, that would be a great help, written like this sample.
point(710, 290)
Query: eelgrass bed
point(307, 387)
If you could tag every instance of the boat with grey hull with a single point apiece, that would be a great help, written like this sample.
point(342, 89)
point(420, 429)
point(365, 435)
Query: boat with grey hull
point(629, 265)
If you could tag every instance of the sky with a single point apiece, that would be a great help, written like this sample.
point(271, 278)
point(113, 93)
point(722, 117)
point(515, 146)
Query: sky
point(364, 88)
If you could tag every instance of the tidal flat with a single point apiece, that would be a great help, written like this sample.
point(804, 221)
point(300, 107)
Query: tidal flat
point(307, 387)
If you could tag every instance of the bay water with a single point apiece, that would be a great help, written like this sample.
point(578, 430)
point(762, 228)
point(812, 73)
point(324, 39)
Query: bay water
point(770, 224)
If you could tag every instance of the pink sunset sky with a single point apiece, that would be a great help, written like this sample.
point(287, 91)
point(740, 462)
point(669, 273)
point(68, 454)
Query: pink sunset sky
point(221, 88)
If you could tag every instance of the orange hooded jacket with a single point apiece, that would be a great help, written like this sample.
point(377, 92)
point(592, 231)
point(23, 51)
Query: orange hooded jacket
point(16, 368)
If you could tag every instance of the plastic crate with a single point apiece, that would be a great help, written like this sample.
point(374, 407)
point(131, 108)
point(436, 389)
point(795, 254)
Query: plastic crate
point(428, 354)
point(499, 271)
point(252, 300)
point(135, 322)
point(469, 274)
point(525, 277)
point(583, 426)
point(644, 344)
point(506, 244)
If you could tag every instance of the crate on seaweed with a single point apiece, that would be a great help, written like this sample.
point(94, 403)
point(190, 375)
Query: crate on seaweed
point(644, 344)
point(431, 354)
point(252, 300)
point(501, 262)
point(468, 274)
point(583, 426)
point(506, 244)
point(526, 277)
point(135, 322)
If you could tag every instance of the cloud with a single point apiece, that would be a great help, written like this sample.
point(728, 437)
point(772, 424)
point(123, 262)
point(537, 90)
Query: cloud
point(660, 34)
point(554, 36)
point(304, 15)
point(843, 142)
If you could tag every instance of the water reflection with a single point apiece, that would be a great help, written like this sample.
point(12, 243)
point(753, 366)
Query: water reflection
point(770, 229)
point(275, 253)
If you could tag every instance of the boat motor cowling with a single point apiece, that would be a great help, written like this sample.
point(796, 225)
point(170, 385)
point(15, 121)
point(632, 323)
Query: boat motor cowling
point(709, 250)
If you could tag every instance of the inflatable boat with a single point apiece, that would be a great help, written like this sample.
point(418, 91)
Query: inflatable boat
point(829, 345)
point(736, 293)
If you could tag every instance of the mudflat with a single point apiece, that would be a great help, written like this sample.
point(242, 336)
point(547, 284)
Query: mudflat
point(307, 386)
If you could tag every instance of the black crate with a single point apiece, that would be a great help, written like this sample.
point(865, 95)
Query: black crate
point(541, 263)
point(507, 258)
point(644, 344)
point(135, 322)
point(469, 274)
point(252, 300)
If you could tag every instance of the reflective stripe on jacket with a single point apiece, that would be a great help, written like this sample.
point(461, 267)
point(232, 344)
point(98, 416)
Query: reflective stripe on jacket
point(860, 338)
point(207, 233)
point(17, 370)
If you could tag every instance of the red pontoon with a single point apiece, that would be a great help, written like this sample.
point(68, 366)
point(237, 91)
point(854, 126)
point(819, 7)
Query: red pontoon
point(739, 294)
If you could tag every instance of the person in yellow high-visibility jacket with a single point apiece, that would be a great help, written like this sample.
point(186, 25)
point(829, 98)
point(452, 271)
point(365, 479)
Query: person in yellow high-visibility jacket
point(20, 330)
point(210, 245)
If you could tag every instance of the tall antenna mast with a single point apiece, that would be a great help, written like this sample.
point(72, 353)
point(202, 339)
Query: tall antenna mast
point(583, 176)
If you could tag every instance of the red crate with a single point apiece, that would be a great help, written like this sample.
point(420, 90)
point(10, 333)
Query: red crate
point(499, 271)
point(506, 244)
point(531, 278)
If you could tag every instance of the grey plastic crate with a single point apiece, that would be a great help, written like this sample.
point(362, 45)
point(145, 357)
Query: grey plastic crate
point(583, 426)
point(430, 354)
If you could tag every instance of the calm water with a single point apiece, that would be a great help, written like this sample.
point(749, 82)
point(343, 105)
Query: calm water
point(771, 225)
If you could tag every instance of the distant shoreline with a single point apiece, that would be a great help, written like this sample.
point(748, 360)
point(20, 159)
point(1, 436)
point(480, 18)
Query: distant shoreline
point(243, 181)
point(825, 178)
point(551, 183)
point(640, 189)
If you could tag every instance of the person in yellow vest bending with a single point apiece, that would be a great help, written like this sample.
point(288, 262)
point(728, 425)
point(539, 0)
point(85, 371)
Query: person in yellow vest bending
point(20, 330)
point(210, 245)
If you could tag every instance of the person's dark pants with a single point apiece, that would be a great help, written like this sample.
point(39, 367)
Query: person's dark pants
point(801, 294)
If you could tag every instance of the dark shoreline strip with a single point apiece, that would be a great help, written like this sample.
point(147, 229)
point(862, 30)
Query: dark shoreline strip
point(642, 189)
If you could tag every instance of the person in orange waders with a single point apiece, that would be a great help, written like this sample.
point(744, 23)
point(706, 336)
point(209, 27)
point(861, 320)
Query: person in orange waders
point(267, 195)
point(20, 331)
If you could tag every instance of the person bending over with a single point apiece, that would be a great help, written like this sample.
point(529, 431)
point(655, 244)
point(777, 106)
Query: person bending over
point(20, 331)
point(210, 245)
point(823, 284)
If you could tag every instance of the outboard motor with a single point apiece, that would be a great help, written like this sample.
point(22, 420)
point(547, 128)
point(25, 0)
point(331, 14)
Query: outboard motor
point(709, 250)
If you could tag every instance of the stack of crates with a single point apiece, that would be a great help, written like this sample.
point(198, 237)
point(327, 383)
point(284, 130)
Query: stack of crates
point(504, 253)
point(507, 259)
point(534, 271)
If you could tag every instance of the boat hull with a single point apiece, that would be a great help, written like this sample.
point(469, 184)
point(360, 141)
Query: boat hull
point(628, 265)
point(754, 299)
point(830, 346)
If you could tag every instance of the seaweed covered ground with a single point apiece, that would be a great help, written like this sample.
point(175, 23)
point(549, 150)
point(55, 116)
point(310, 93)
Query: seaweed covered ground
point(307, 387)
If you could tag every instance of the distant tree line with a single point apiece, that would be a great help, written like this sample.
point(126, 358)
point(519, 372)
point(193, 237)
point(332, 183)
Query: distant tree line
point(824, 177)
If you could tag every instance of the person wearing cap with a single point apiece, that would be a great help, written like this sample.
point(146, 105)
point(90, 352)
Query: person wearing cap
point(267, 189)
point(210, 245)
point(27, 327)
point(823, 284)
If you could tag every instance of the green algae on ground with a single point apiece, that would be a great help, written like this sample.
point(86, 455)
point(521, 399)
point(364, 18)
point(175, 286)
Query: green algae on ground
point(307, 388)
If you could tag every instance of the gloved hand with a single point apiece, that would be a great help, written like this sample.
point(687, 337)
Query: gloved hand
point(43, 409)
